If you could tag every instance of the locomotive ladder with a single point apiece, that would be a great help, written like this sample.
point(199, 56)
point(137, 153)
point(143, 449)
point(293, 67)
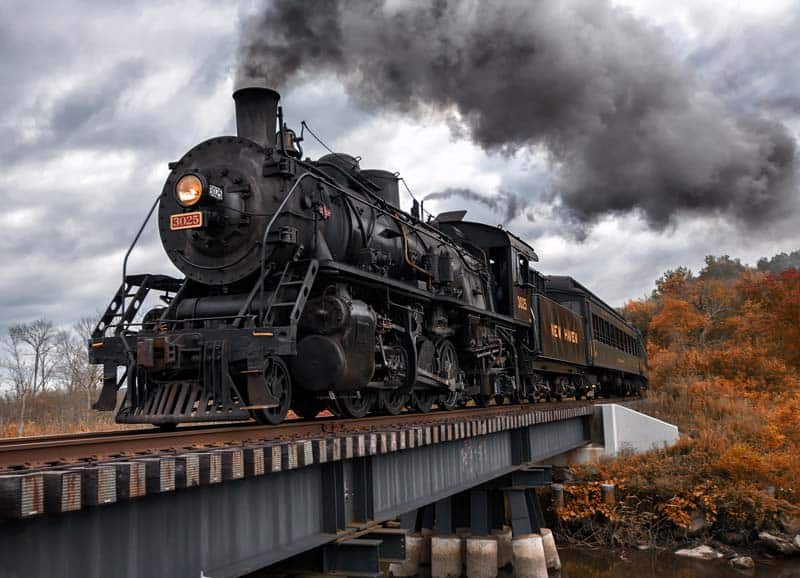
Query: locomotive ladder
point(120, 315)
point(135, 288)
point(290, 296)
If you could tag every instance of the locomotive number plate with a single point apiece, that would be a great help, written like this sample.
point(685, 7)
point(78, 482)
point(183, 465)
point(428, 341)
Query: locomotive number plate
point(186, 221)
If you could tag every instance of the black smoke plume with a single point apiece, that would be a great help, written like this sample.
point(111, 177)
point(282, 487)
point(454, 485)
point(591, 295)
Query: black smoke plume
point(627, 125)
point(504, 202)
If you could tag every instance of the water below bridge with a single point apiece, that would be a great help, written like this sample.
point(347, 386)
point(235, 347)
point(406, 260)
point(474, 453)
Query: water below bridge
point(581, 563)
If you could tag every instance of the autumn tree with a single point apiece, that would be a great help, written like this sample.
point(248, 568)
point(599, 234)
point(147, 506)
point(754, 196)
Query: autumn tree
point(724, 358)
point(780, 262)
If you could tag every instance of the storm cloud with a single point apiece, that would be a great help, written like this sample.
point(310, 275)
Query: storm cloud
point(96, 101)
point(98, 97)
point(627, 126)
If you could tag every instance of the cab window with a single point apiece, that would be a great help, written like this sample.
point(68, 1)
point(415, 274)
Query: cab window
point(523, 273)
point(523, 269)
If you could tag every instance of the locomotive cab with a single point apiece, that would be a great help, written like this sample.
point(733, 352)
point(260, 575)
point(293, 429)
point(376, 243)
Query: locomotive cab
point(514, 281)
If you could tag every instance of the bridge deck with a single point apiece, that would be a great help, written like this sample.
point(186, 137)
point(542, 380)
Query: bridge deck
point(262, 504)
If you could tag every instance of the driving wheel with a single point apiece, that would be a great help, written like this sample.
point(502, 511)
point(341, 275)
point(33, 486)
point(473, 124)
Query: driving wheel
point(446, 367)
point(392, 401)
point(279, 384)
point(422, 400)
point(356, 406)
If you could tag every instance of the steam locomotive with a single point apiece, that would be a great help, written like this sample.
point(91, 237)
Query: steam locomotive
point(308, 288)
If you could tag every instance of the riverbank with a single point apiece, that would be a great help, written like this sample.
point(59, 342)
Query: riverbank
point(677, 497)
point(587, 563)
point(724, 354)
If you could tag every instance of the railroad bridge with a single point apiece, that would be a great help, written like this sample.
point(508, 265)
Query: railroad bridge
point(223, 502)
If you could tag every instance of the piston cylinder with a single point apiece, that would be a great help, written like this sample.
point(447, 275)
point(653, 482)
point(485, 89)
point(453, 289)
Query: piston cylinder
point(337, 352)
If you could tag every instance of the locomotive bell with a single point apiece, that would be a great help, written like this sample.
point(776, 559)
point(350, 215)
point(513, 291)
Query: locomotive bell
point(291, 143)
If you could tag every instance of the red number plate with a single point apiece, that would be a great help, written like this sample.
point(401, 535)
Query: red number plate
point(186, 221)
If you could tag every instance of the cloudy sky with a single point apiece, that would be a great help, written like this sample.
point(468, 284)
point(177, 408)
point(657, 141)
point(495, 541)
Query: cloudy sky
point(97, 98)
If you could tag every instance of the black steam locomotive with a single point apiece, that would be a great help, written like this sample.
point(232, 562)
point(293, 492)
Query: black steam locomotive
point(307, 287)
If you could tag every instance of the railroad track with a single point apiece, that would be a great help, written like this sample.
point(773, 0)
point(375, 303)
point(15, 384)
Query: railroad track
point(56, 450)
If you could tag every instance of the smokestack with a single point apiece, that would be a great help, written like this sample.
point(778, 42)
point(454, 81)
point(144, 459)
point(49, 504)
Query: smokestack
point(256, 114)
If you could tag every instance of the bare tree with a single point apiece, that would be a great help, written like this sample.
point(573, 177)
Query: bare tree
point(77, 375)
point(39, 337)
point(29, 361)
point(19, 372)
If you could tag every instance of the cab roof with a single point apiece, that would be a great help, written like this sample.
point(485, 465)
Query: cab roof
point(485, 235)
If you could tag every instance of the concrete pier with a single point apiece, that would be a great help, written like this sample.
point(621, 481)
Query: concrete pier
point(410, 567)
point(529, 558)
point(425, 549)
point(481, 557)
point(446, 558)
point(504, 552)
point(550, 551)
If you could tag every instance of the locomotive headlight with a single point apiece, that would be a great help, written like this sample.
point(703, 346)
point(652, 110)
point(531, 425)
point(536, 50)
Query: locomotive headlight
point(188, 190)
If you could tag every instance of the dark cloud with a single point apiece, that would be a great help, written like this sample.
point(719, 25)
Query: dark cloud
point(96, 100)
point(98, 97)
point(90, 110)
point(89, 116)
point(627, 125)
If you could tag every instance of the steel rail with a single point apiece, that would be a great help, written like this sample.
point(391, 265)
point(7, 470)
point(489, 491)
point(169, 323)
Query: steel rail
point(57, 450)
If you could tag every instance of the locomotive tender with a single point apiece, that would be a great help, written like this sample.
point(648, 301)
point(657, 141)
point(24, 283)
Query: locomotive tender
point(307, 287)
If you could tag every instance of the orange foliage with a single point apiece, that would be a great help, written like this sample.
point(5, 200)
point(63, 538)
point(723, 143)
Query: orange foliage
point(724, 357)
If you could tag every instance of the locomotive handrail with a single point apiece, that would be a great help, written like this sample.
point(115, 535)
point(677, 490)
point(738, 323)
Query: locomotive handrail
point(128, 253)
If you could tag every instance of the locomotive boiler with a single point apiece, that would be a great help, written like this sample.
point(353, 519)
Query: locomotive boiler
point(308, 287)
